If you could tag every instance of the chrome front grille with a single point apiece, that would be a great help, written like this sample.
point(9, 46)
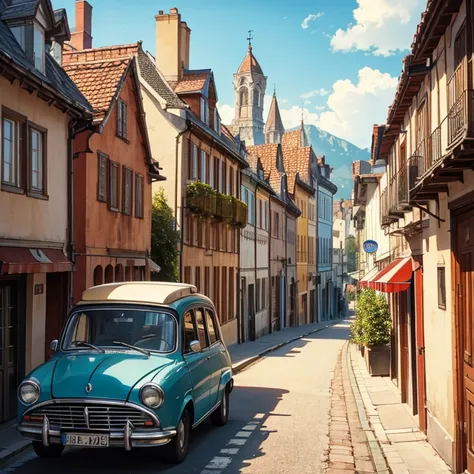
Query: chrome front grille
point(92, 416)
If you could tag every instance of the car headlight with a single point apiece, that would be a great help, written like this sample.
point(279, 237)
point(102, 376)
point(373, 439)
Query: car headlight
point(152, 395)
point(29, 392)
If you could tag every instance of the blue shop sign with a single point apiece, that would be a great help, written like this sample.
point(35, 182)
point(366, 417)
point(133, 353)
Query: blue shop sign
point(370, 246)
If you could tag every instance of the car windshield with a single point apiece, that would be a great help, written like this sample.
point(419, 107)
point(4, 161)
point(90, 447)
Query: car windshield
point(121, 329)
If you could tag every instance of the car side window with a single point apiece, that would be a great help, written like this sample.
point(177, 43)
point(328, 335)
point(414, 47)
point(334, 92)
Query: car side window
point(211, 327)
point(190, 333)
point(199, 314)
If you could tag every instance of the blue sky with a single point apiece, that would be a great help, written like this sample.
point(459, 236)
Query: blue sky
point(347, 78)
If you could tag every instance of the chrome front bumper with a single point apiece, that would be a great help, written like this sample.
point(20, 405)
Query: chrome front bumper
point(128, 438)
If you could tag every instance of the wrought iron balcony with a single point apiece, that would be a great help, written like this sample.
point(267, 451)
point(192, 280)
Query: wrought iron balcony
point(459, 106)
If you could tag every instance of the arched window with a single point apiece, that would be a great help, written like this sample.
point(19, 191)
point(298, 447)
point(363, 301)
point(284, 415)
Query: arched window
point(242, 81)
point(128, 273)
point(256, 97)
point(244, 96)
point(119, 272)
point(109, 274)
point(98, 275)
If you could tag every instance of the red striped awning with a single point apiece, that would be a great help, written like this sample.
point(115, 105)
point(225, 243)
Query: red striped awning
point(364, 281)
point(396, 276)
point(16, 260)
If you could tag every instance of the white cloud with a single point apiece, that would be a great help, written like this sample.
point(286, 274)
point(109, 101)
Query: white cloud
point(318, 92)
point(311, 17)
point(284, 18)
point(354, 108)
point(226, 112)
point(382, 27)
point(320, 107)
point(306, 102)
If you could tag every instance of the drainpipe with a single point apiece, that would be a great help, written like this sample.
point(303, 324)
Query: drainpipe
point(270, 306)
point(254, 329)
point(178, 137)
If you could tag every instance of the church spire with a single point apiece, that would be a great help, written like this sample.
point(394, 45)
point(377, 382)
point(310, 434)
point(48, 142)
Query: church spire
point(274, 128)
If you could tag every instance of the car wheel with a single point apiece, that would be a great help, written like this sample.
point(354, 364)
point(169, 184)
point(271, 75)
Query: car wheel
point(51, 451)
point(220, 416)
point(176, 450)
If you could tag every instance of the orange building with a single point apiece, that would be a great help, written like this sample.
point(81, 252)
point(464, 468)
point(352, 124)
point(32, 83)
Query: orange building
point(113, 178)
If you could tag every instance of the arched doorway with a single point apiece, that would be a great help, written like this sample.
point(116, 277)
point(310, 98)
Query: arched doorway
point(98, 275)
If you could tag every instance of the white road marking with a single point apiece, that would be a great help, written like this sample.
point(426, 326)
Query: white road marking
point(224, 459)
point(231, 451)
point(219, 462)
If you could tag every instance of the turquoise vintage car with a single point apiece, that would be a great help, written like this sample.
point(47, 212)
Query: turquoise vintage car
point(138, 364)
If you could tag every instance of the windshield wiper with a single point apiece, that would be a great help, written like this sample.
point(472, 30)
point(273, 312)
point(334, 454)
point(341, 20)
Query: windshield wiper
point(143, 351)
point(86, 344)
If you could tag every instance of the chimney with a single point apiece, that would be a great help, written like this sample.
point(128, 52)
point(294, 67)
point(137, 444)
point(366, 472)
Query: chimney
point(82, 36)
point(172, 44)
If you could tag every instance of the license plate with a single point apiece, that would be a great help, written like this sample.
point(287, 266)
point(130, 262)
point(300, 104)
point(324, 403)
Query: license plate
point(91, 441)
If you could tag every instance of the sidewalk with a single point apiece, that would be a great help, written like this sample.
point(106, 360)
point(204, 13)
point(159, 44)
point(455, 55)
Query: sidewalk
point(404, 446)
point(11, 443)
point(243, 355)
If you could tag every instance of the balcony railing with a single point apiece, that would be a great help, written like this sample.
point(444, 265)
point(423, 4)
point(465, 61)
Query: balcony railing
point(385, 217)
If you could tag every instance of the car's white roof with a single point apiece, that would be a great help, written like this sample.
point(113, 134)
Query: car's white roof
point(138, 292)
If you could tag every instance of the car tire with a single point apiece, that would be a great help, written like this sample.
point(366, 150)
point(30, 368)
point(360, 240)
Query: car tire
point(176, 450)
point(51, 451)
point(220, 416)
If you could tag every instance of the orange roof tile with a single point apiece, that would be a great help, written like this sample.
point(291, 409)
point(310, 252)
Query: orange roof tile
point(292, 139)
point(250, 64)
point(192, 82)
point(267, 154)
point(97, 73)
point(124, 51)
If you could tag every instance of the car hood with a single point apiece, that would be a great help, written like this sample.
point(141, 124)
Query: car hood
point(111, 376)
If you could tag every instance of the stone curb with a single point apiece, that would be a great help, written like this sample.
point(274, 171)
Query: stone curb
point(240, 366)
point(374, 444)
point(13, 451)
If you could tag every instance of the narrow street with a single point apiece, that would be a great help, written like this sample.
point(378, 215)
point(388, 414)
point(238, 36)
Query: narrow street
point(278, 422)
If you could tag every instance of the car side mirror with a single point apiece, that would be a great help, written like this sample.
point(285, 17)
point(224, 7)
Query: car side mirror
point(54, 345)
point(195, 346)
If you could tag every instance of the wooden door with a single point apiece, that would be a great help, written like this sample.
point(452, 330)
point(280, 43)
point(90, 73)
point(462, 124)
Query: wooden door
point(420, 348)
point(404, 353)
point(464, 306)
point(251, 312)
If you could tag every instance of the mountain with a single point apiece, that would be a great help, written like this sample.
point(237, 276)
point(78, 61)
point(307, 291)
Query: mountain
point(339, 155)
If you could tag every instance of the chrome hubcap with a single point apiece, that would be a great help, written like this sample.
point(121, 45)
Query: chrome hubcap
point(181, 434)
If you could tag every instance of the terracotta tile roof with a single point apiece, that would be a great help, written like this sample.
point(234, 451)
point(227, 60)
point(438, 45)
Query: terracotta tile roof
point(250, 64)
point(274, 121)
point(292, 139)
point(192, 82)
point(125, 51)
point(98, 72)
point(297, 160)
point(267, 154)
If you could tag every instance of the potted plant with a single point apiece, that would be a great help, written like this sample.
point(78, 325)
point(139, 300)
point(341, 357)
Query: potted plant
point(356, 332)
point(374, 330)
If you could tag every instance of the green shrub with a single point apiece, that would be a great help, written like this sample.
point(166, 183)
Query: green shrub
point(373, 324)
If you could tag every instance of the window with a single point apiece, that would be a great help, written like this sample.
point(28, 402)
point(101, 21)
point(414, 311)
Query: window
point(187, 275)
point(198, 313)
point(127, 191)
point(211, 327)
point(204, 110)
point(57, 52)
point(207, 280)
point(216, 174)
point(122, 119)
point(11, 162)
point(102, 162)
point(224, 310)
point(231, 181)
point(244, 96)
point(203, 166)
point(264, 293)
point(257, 296)
point(38, 47)
point(19, 34)
point(442, 287)
point(139, 196)
point(210, 170)
point(221, 176)
point(190, 332)
point(217, 121)
point(37, 157)
point(197, 279)
point(193, 165)
point(113, 185)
